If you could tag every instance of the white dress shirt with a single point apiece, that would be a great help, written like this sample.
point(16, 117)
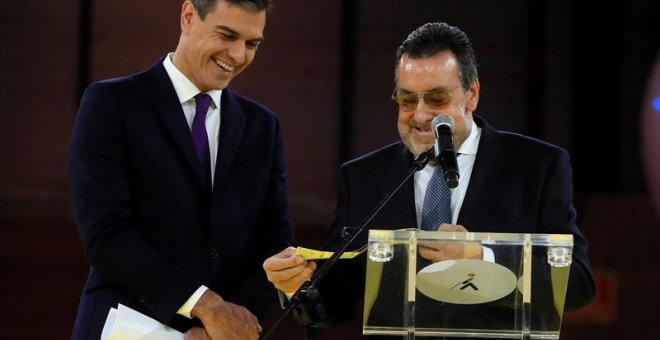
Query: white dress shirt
point(186, 91)
point(465, 158)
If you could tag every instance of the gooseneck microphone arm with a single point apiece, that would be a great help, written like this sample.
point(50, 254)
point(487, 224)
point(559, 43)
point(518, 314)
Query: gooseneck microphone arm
point(308, 289)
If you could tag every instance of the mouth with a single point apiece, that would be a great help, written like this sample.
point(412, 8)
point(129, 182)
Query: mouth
point(423, 137)
point(224, 66)
point(424, 131)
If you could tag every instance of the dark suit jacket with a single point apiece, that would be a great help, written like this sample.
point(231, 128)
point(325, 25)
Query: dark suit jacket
point(152, 227)
point(518, 185)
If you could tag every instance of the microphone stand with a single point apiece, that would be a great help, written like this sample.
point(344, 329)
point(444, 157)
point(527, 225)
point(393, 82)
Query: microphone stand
point(308, 291)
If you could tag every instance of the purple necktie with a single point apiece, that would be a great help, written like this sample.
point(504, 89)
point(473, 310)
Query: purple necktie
point(200, 137)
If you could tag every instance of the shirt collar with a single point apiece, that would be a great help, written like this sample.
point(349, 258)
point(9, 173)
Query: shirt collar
point(471, 144)
point(184, 88)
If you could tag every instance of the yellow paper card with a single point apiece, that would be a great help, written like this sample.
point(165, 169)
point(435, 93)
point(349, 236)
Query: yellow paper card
point(312, 254)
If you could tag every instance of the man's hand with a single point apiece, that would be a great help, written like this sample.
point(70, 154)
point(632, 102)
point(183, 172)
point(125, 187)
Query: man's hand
point(223, 320)
point(288, 271)
point(437, 251)
point(196, 333)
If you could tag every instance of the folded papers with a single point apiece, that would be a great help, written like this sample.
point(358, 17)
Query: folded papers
point(124, 323)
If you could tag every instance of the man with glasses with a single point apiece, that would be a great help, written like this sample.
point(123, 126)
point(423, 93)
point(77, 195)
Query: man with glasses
point(507, 181)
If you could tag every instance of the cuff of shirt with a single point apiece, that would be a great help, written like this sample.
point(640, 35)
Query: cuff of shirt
point(190, 303)
point(488, 254)
point(285, 298)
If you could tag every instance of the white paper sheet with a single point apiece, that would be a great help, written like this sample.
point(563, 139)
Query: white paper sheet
point(125, 323)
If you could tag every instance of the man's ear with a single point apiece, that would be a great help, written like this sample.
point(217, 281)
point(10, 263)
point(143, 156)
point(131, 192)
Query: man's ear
point(473, 96)
point(188, 13)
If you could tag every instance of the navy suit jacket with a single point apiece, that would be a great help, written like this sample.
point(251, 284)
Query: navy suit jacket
point(152, 227)
point(518, 185)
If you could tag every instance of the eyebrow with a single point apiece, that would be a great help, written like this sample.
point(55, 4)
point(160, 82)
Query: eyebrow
point(234, 32)
point(439, 88)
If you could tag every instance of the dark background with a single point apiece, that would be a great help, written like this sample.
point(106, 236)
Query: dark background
point(572, 73)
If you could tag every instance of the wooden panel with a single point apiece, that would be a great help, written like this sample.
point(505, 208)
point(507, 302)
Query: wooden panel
point(37, 103)
point(42, 271)
point(130, 36)
point(296, 73)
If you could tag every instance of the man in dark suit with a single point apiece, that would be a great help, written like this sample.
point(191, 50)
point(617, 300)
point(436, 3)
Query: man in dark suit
point(179, 186)
point(508, 182)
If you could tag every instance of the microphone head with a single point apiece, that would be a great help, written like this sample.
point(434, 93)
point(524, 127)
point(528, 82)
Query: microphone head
point(444, 121)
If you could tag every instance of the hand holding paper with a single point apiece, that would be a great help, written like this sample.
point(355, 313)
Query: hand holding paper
point(312, 254)
point(125, 323)
point(290, 268)
point(287, 271)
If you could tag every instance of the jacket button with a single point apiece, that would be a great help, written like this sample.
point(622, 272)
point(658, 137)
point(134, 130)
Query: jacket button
point(214, 253)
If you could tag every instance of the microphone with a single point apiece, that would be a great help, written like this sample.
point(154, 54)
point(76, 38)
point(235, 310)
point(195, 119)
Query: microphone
point(443, 127)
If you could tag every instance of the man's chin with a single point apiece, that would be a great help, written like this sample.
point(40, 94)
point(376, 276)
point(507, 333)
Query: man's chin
point(217, 86)
point(415, 147)
point(422, 148)
point(418, 149)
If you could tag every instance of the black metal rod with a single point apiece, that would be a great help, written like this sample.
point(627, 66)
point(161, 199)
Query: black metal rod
point(417, 165)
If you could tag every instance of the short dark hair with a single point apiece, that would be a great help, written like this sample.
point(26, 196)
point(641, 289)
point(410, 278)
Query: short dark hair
point(203, 7)
point(435, 37)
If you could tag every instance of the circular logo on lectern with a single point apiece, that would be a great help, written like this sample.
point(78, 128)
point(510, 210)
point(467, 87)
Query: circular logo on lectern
point(465, 281)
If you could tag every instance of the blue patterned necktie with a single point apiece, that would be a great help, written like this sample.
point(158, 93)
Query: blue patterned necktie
point(437, 202)
point(200, 137)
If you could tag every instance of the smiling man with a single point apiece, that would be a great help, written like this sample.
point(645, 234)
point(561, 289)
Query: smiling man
point(508, 183)
point(160, 163)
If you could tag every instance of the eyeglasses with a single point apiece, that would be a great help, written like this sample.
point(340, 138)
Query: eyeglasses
point(435, 99)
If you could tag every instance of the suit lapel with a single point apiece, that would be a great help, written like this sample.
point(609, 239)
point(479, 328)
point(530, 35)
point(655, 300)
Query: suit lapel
point(231, 131)
point(164, 98)
point(407, 193)
point(400, 210)
point(484, 190)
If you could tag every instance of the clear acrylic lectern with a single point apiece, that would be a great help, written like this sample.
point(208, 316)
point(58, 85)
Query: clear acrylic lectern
point(515, 291)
